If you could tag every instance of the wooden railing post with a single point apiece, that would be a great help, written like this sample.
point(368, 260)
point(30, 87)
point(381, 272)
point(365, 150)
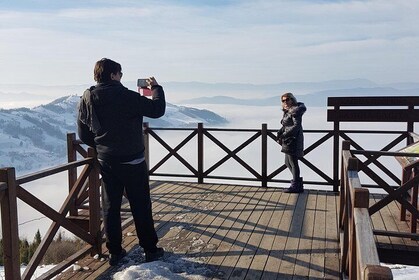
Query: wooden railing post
point(9, 224)
point(200, 153)
point(345, 147)
point(72, 172)
point(377, 272)
point(146, 137)
point(336, 153)
point(406, 175)
point(346, 221)
point(343, 215)
point(414, 202)
point(410, 125)
point(94, 203)
point(264, 151)
point(361, 258)
point(358, 197)
point(410, 173)
point(366, 262)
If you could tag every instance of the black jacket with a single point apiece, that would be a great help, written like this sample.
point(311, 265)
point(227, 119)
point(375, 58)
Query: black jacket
point(111, 118)
point(291, 132)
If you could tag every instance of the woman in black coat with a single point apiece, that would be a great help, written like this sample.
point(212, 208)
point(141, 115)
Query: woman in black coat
point(291, 137)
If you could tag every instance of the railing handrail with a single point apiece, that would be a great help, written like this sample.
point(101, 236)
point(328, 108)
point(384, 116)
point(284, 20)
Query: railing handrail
point(359, 253)
point(27, 178)
point(373, 101)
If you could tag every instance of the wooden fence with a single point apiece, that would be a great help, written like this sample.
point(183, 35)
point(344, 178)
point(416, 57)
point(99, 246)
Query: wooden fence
point(406, 194)
point(399, 109)
point(83, 193)
point(202, 171)
point(358, 250)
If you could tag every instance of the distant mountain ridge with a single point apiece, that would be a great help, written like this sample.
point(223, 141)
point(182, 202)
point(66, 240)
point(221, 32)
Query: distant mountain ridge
point(35, 138)
point(311, 86)
point(317, 99)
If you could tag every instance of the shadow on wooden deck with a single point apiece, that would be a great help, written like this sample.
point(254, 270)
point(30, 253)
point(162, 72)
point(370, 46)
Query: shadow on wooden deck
point(236, 232)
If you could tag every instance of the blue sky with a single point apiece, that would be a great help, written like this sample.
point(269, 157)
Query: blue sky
point(51, 42)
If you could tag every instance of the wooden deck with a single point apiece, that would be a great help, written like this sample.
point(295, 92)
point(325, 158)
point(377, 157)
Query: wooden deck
point(393, 249)
point(242, 232)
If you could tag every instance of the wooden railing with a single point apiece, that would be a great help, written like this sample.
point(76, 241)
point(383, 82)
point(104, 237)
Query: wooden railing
point(202, 172)
point(358, 250)
point(367, 109)
point(405, 194)
point(82, 189)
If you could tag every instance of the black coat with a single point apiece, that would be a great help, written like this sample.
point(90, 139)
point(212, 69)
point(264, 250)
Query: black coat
point(111, 118)
point(291, 133)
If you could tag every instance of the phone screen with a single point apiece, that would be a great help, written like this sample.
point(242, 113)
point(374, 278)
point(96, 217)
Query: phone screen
point(142, 83)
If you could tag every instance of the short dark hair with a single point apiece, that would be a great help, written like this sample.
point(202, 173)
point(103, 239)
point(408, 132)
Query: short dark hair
point(104, 68)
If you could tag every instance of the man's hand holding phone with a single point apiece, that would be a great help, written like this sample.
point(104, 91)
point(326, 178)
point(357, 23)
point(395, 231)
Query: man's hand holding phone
point(144, 85)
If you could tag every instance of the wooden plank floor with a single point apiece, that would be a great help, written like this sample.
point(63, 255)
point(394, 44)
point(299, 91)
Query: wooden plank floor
point(393, 249)
point(238, 232)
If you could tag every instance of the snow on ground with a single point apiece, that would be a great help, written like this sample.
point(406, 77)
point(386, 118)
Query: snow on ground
point(404, 272)
point(173, 267)
point(38, 272)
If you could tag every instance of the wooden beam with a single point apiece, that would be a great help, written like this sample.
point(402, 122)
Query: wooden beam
point(373, 115)
point(365, 243)
point(373, 101)
point(9, 221)
point(377, 272)
point(51, 171)
point(59, 268)
point(72, 172)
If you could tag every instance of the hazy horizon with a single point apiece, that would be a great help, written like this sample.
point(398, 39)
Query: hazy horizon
point(32, 95)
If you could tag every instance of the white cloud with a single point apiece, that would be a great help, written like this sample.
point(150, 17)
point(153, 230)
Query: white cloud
point(270, 41)
point(102, 13)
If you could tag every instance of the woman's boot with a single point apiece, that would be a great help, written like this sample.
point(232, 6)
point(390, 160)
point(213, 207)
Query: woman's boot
point(296, 186)
point(292, 188)
point(299, 185)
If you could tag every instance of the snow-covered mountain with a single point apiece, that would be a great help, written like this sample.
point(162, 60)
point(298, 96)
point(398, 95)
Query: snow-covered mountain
point(31, 139)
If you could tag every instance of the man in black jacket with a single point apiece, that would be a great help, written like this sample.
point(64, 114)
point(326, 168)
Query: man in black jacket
point(110, 119)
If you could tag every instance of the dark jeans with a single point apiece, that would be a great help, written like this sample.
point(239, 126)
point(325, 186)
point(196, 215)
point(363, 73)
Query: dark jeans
point(116, 178)
point(291, 161)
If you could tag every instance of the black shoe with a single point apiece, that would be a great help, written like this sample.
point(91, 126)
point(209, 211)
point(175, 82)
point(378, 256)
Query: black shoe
point(115, 258)
point(155, 255)
point(294, 190)
point(296, 186)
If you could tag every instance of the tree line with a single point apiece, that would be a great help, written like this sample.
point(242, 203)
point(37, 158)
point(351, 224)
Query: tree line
point(59, 250)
